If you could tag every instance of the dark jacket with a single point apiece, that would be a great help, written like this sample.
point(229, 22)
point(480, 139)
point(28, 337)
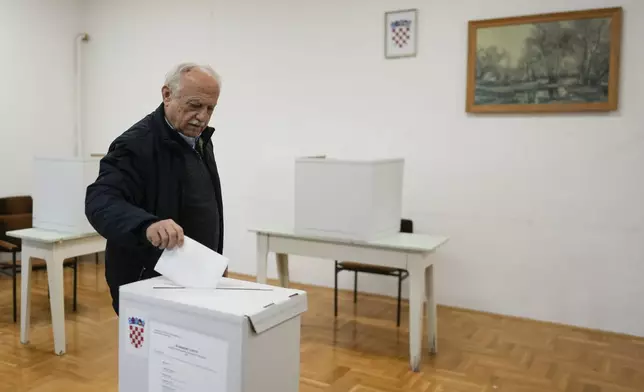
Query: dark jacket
point(139, 183)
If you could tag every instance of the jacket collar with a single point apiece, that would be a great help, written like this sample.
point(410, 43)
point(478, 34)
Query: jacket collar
point(170, 135)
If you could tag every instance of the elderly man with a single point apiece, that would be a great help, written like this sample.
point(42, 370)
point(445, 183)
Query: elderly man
point(159, 181)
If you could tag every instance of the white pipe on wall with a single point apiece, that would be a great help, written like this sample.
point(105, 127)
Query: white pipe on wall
point(78, 150)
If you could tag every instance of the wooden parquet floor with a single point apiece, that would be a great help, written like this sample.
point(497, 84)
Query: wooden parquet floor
point(360, 351)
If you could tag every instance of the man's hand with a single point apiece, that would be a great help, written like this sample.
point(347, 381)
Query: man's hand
point(165, 234)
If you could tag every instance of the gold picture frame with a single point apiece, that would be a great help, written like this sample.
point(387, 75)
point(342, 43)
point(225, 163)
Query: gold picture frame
point(556, 62)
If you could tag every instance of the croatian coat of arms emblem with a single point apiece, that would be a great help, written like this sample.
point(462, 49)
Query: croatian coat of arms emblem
point(401, 32)
point(137, 329)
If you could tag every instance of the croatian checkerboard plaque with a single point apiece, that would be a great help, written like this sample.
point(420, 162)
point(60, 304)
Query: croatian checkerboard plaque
point(401, 33)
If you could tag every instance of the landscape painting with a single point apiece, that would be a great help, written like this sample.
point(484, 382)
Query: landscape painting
point(564, 62)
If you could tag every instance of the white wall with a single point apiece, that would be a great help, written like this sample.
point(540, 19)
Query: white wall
point(545, 213)
point(37, 110)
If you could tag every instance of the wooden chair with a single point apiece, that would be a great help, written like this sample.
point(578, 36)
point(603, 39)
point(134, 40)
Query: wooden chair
point(16, 214)
point(406, 226)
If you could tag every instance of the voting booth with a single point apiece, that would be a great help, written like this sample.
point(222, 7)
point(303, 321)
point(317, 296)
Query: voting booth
point(59, 188)
point(348, 198)
point(240, 337)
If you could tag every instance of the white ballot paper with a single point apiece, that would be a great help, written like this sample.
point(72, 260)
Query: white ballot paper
point(192, 265)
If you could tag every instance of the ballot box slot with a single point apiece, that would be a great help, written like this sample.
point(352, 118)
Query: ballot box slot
point(219, 288)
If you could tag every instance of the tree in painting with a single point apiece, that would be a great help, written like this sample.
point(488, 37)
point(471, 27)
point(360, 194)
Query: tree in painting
point(554, 62)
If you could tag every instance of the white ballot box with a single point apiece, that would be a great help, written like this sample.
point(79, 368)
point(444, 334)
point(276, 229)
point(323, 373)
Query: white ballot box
point(349, 199)
point(59, 187)
point(241, 337)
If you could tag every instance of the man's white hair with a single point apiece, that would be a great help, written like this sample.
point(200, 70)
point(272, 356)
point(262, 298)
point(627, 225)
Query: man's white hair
point(173, 78)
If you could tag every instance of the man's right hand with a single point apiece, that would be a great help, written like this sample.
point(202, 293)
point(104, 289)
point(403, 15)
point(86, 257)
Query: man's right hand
point(165, 234)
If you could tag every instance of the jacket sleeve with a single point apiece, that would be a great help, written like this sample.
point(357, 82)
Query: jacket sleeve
point(112, 202)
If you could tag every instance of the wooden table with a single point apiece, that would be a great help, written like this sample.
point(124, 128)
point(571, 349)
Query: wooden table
point(53, 247)
point(404, 250)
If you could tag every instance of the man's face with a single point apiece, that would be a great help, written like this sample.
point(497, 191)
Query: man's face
point(189, 109)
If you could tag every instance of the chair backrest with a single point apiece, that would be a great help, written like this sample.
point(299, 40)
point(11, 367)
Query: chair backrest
point(14, 205)
point(406, 226)
point(15, 214)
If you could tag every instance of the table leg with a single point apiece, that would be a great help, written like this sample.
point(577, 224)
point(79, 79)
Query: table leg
point(416, 294)
point(25, 293)
point(57, 301)
point(432, 320)
point(262, 255)
point(282, 269)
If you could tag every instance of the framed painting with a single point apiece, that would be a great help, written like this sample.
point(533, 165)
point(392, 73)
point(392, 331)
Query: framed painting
point(400, 33)
point(558, 62)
